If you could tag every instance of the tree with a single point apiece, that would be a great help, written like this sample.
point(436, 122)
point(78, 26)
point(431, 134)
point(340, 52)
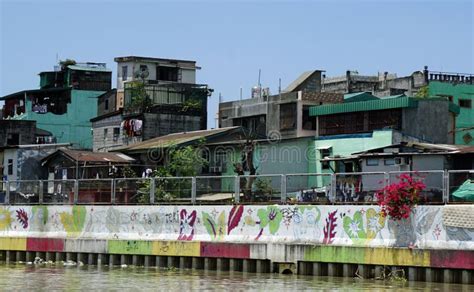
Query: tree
point(423, 92)
point(181, 162)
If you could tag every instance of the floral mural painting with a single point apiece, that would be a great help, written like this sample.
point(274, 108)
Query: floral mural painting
point(5, 218)
point(354, 227)
point(234, 217)
point(74, 222)
point(186, 225)
point(330, 228)
point(217, 228)
point(375, 222)
point(271, 217)
point(22, 218)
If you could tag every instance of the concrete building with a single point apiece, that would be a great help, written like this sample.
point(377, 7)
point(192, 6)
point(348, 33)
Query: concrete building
point(133, 68)
point(455, 87)
point(285, 115)
point(430, 120)
point(13, 132)
point(23, 162)
point(65, 102)
point(154, 97)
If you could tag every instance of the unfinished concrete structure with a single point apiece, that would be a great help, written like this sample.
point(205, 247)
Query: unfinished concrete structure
point(285, 115)
point(154, 97)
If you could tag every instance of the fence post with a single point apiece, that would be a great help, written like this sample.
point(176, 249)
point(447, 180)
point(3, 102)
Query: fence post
point(76, 191)
point(446, 187)
point(40, 193)
point(152, 190)
point(332, 197)
point(193, 190)
point(237, 189)
point(112, 191)
point(7, 192)
point(283, 188)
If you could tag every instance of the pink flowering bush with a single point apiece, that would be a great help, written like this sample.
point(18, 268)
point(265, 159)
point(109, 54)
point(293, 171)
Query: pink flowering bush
point(398, 199)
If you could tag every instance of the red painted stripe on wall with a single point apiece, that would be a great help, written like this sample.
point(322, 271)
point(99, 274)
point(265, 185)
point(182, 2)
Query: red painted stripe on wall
point(225, 250)
point(456, 259)
point(44, 244)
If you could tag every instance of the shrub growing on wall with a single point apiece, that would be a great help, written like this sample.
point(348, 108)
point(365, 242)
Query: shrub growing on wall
point(398, 199)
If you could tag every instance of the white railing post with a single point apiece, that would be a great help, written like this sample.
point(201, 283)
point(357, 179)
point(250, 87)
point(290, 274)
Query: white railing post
point(40, 193)
point(152, 190)
point(446, 191)
point(112, 191)
point(332, 196)
point(7, 192)
point(237, 189)
point(283, 188)
point(193, 190)
point(76, 191)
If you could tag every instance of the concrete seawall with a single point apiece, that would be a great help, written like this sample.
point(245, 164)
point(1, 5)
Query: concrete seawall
point(435, 244)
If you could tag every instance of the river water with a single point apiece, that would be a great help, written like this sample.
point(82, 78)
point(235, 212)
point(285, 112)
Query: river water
point(52, 278)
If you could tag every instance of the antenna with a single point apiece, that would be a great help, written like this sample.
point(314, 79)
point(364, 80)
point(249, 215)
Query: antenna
point(240, 92)
point(279, 87)
point(259, 85)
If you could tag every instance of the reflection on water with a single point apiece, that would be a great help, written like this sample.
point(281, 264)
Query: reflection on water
point(50, 277)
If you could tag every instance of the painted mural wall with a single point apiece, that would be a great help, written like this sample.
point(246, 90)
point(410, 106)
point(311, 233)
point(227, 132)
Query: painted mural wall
point(434, 227)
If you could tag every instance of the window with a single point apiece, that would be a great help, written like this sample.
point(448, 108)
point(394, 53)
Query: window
point(389, 161)
point(13, 139)
point(372, 162)
point(288, 116)
point(10, 166)
point(167, 73)
point(116, 133)
point(105, 133)
point(106, 104)
point(309, 123)
point(325, 153)
point(124, 72)
point(467, 103)
point(143, 68)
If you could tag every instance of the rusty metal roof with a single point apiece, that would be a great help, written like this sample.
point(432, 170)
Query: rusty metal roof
point(88, 156)
point(176, 139)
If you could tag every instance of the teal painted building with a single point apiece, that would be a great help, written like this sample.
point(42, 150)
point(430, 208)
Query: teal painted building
point(461, 94)
point(64, 104)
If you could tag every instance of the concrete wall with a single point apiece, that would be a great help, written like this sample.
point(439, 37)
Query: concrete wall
point(465, 119)
point(430, 120)
point(103, 143)
point(429, 227)
point(74, 126)
point(25, 130)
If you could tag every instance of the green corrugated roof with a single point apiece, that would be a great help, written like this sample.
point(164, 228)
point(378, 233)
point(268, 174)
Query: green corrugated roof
point(359, 96)
point(371, 105)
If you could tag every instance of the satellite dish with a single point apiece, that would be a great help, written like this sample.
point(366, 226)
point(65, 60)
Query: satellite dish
point(143, 74)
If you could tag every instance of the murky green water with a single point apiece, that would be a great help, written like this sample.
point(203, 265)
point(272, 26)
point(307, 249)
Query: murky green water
point(53, 278)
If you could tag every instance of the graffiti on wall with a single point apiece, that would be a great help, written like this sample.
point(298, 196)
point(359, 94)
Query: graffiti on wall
point(325, 224)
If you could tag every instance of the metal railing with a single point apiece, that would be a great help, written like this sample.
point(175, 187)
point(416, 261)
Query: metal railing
point(442, 187)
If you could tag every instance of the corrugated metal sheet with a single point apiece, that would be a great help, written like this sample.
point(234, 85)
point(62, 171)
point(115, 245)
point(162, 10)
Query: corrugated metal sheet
point(176, 139)
point(360, 106)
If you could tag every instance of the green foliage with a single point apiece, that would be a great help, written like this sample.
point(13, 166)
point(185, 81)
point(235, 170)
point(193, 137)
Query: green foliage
point(140, 101)
point(67, 62)
point(128, 172)
point(182, 162)
point(263, 187)
point(191, 104)
point(423, 92)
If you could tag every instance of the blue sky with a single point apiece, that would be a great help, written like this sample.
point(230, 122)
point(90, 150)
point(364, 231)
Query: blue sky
point(231, 41)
